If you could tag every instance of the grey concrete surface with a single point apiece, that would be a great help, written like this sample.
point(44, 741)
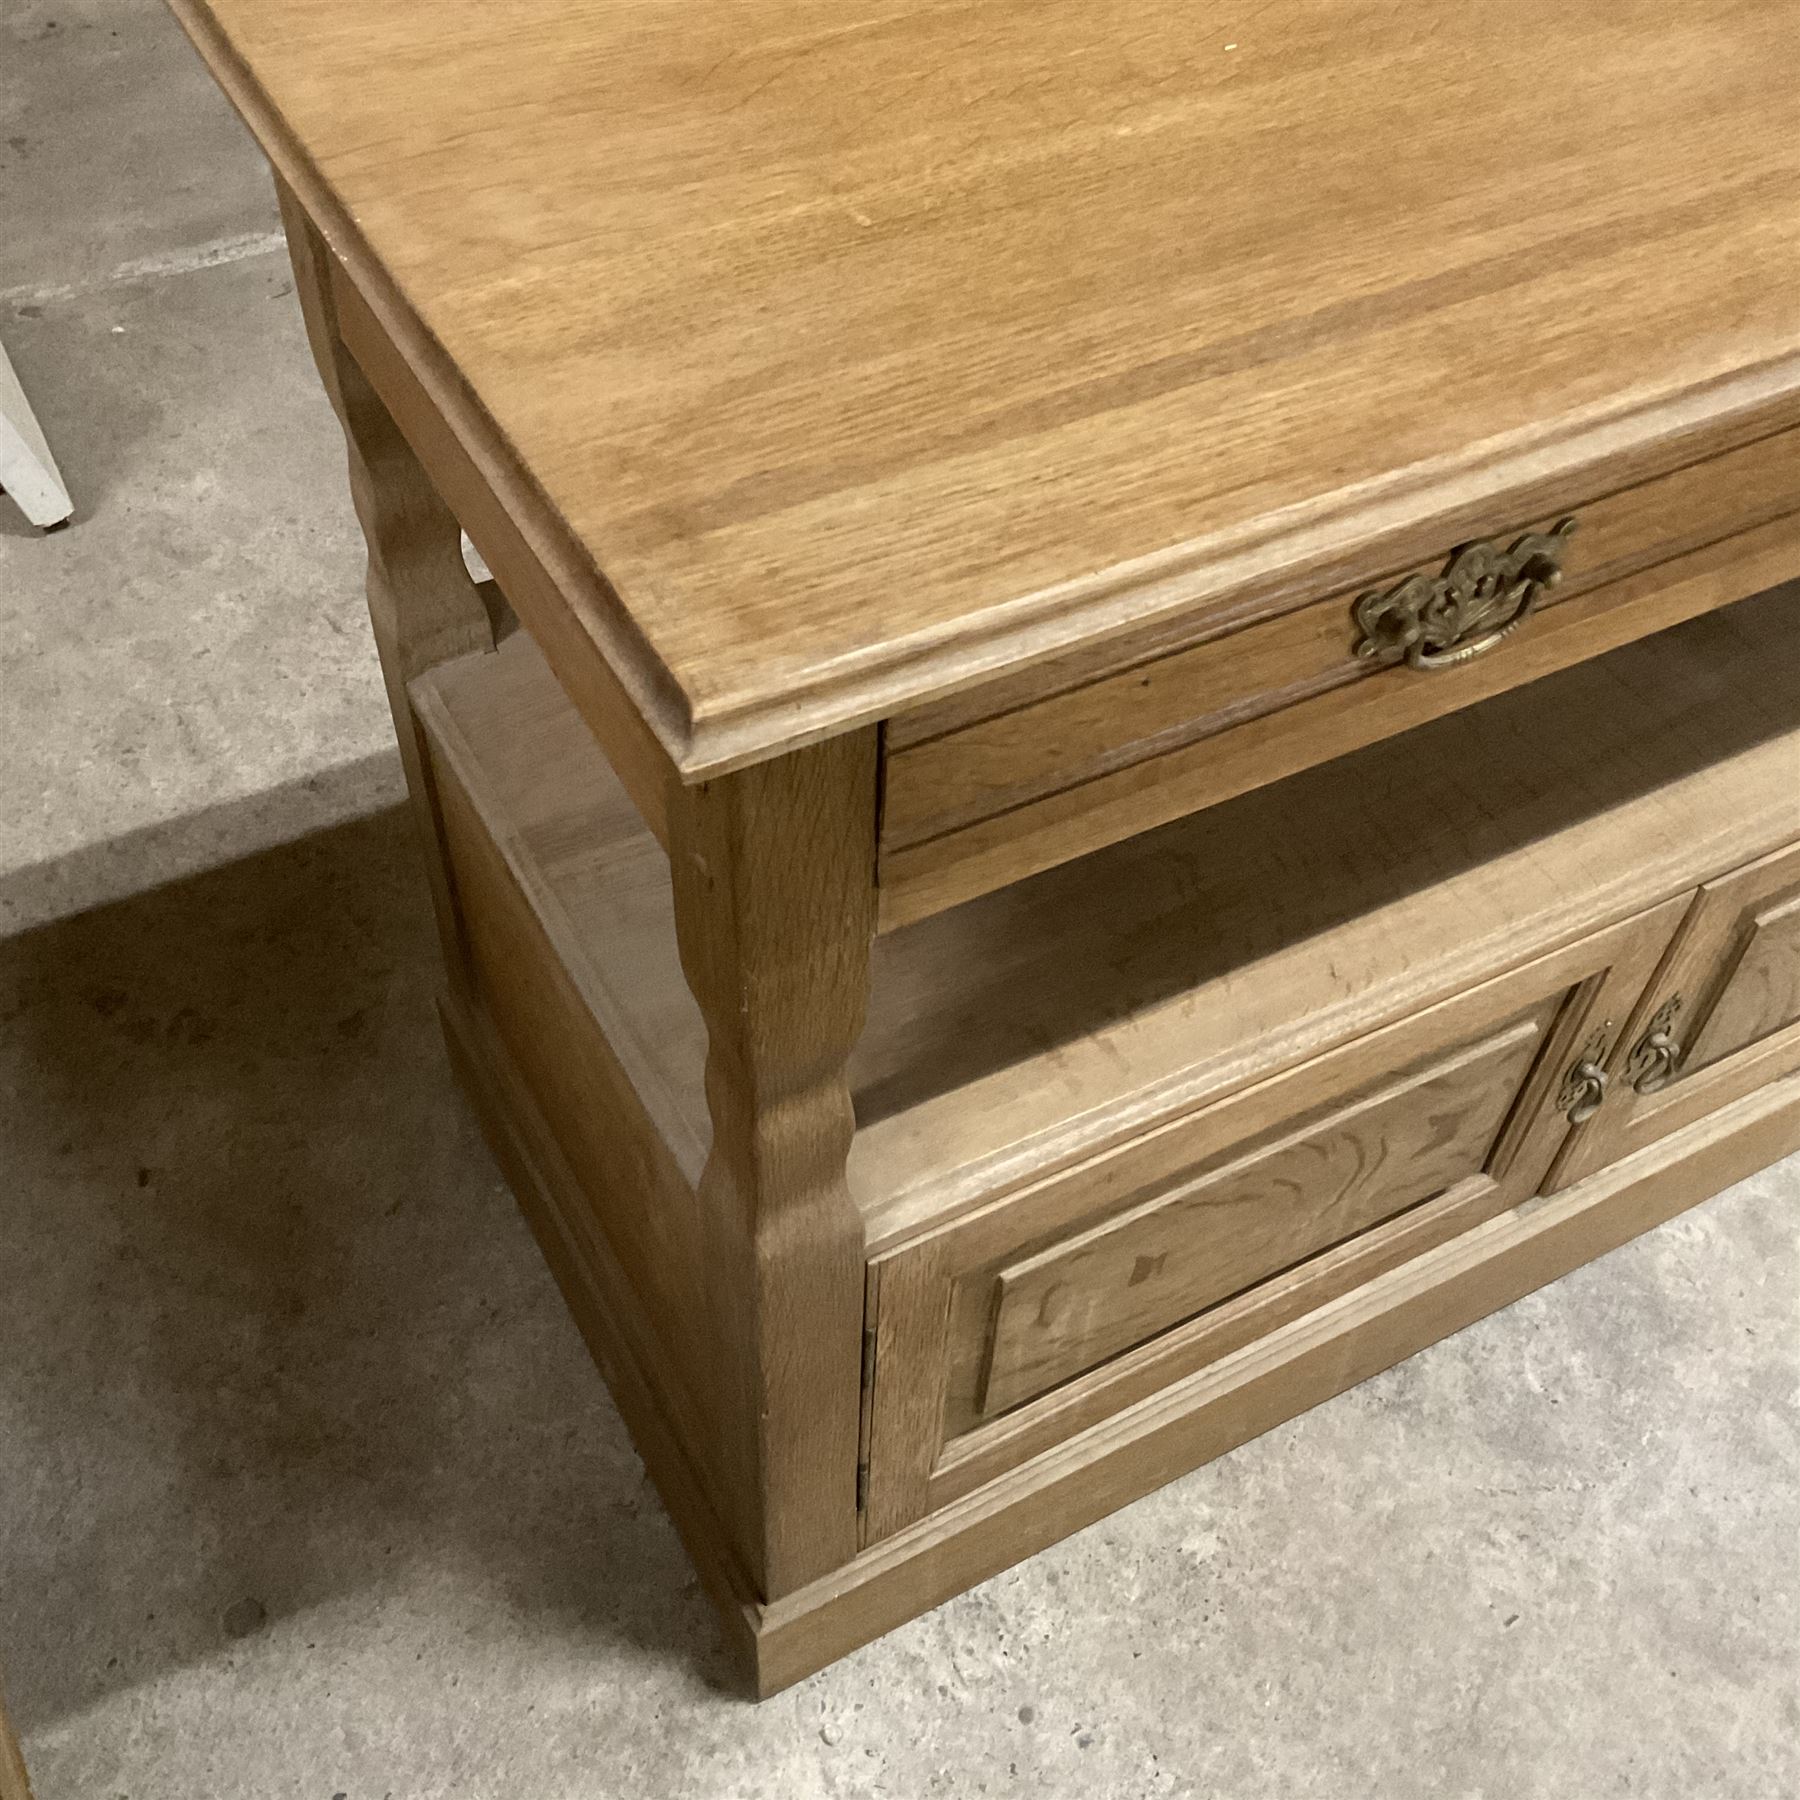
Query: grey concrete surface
point(307, 1487)
point(196, 638)
point(187, 667)
point(116, 150)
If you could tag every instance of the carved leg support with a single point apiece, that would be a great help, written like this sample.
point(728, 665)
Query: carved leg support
point(423, 605)
point(774, 898)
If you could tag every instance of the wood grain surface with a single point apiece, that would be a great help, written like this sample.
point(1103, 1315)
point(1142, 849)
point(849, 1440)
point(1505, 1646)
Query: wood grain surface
point(1566, 995)
point(1187, 1422)
point(1732, 983)
point(1183, 774)
point(1069, 1306)
point(580, 1060)
point(1762, 989)
point(424, 607)
point(853, 355)
point(943, 771)
point(773, 876)
point(1033, 1027)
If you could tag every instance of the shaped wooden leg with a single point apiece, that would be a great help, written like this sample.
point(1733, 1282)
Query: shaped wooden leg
point(424, 606)
point(773, 873)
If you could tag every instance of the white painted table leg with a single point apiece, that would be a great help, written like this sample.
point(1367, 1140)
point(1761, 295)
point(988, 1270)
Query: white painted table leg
point(27, 470)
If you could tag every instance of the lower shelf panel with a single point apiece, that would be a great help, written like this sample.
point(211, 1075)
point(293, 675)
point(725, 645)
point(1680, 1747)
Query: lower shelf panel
point(1183, 1426)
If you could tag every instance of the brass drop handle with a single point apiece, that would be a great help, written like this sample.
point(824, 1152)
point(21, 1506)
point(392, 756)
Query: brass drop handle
point(1588, 1082)
point(1585, 1086)
point(1534, 580)
point(1482, 598)
point(1656, 1057)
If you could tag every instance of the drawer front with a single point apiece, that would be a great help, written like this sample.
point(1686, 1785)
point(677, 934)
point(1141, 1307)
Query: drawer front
point(1720, 1020)
point(992, 786)
point(1009, 1330)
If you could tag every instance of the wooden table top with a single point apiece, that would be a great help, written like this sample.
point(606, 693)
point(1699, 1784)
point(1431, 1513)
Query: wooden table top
point(865, 350)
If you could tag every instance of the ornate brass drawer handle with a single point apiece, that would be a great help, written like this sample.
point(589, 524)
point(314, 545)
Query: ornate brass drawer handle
point(1480, 600)
point(1656, 1058)
point(1584, 1087)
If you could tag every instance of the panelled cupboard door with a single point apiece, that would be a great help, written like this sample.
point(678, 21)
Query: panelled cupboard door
point(1003, 1333)
point(1721, 1018)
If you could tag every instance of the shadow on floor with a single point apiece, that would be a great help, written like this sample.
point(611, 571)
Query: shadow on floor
point(169, 850)
point(273, 1330)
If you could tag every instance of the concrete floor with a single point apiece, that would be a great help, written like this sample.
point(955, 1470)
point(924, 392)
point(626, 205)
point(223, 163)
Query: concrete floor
point(306, 1484)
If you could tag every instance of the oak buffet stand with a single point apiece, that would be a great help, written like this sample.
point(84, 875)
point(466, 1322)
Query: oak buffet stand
point(1123, 762)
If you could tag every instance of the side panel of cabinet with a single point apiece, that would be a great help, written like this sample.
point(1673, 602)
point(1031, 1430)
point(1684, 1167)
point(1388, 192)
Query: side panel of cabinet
point(1720, 1020)
point(1013, 1330)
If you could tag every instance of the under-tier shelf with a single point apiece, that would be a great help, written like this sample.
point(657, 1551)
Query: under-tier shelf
point(1014, 1034)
